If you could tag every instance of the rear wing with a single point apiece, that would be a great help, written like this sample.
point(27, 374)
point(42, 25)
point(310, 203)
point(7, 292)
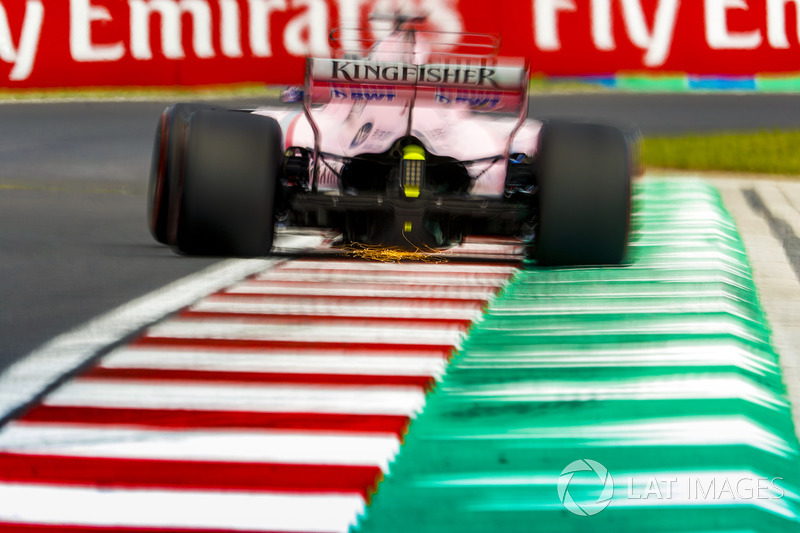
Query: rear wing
point(481, 87)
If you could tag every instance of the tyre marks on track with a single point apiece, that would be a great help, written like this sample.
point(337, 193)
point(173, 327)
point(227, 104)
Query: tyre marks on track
point(768, 216)
point(275, 404)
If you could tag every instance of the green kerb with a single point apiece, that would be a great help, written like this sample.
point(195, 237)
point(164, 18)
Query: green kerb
point(658, 370)
point(675, 83)
point(778, 84)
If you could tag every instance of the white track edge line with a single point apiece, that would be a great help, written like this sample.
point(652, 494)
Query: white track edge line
point(28, 377)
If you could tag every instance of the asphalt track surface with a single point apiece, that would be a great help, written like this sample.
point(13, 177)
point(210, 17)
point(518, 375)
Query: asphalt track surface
point(73, 238)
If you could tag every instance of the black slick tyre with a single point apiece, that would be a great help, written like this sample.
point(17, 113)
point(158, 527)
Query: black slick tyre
point(230, 180)
point(166, 168)
point(583, 176)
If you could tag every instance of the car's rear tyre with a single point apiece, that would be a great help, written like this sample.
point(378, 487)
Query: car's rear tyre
point(583, 195)
point(231, 167)
point(166, 167)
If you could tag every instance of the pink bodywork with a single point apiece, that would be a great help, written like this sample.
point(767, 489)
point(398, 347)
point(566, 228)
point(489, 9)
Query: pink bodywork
point(355, 117)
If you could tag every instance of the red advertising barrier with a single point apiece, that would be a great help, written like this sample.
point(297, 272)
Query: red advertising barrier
point(73, 43)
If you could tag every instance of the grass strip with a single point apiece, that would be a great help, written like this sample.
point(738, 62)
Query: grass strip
point(761, 152)
point(211, 92)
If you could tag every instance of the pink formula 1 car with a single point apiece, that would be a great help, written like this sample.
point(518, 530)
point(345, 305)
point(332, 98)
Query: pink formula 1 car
point(412, 144)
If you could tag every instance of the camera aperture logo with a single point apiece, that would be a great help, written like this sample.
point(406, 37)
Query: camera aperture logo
point(589, 494)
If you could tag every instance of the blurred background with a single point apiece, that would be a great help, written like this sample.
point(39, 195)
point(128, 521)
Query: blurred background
point(712, 85)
